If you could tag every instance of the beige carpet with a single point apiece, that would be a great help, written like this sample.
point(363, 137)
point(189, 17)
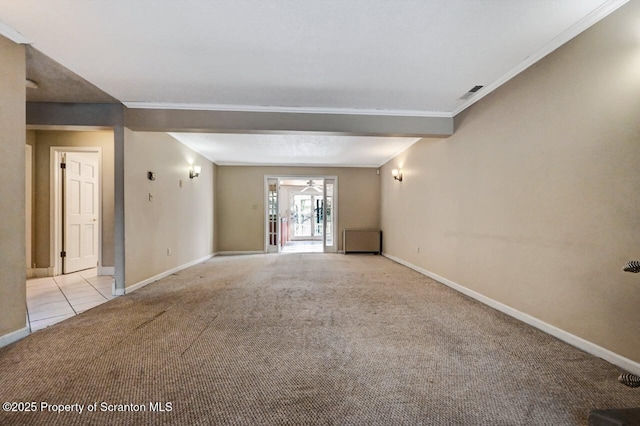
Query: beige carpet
point(303, 339)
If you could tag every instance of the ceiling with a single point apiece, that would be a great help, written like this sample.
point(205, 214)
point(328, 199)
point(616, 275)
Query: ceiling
point(58, 84)
point(299, 150)
point(381, 57)
point(316, 183)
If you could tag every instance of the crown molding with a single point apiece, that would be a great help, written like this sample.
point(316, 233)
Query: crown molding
point(13, 35)
point(591, 19)
point(308, 165)
point(295, 110)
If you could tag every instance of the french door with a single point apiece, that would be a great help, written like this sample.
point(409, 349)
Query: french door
point(315, 214)
point(308, 213)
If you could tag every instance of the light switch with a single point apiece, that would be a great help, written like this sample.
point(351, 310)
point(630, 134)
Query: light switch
point(150, 197)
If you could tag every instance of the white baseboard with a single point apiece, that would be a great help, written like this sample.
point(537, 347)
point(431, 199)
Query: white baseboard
point(107, 270)
point(117, 291)
point(14, 336)
point(136, 286)
point(236, 253)
point(48, 272)
point(580, 343)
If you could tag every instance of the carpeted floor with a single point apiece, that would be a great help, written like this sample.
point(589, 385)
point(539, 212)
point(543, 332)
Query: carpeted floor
point(302, 339)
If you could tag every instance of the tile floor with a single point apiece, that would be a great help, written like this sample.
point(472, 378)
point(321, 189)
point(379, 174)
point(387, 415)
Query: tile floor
point(302, 247)
point(53, 299)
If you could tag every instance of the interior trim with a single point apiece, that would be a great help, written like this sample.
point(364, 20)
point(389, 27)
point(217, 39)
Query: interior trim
point(138, 285)
point(238, 253)
point(106, 270)
point(294, 110)
point(14, 336)
point(13, 35)
point(360, 166)
point(580, 343)
point(591, 19)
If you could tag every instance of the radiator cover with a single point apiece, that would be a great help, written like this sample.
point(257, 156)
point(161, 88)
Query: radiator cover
point(362, 241)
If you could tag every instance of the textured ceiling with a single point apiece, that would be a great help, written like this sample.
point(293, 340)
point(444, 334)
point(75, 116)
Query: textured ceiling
point(397, 57)
point(58, 84)
point(390, 57)
point(301, 150)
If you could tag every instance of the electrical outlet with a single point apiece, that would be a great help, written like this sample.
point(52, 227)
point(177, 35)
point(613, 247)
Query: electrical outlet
point(180, 183)
point(168, 252)
point(418, 249)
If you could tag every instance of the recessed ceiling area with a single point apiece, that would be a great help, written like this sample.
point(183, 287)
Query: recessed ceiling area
point(301, 149)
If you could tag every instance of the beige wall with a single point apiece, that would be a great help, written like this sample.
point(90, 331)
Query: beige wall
point(534, 200)
point(44, 140)
point(178, 218)
point(12, 190)
point(241, 198)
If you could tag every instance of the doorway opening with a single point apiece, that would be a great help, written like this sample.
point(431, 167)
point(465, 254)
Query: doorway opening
point(70, 210)
point(301, 214)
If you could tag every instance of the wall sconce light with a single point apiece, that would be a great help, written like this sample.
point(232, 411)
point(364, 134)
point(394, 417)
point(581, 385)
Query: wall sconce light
point(632, 266)
point(194, 171)
point(397, 174)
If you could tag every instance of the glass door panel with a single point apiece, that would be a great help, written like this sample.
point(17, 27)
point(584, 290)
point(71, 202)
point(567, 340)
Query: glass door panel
point(302, 215)
point(308, 214)
point(329, 216)
point(318, 214)
point(272, 215)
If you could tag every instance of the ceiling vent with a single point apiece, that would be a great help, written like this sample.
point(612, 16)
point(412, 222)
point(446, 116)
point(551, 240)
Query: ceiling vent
point(471, 92)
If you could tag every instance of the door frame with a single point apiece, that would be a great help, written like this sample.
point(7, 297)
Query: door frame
point(334, 214)
point(298, 177)
point(266, 232)
point(56, 201)
point(29, 210)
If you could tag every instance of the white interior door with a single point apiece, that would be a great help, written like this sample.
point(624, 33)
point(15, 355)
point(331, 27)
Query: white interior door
point(80, 211)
